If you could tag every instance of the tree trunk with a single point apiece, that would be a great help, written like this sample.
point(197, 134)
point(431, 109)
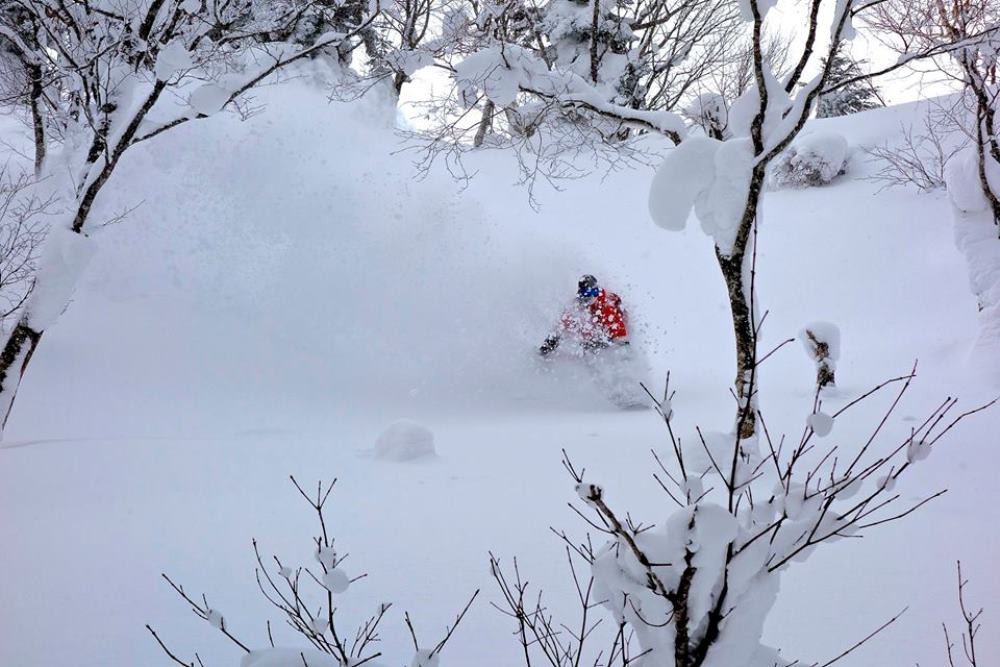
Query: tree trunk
point(983, 155)
point(485, 124)
point(37, 119)
point(14, 361)
point(735, 272)
point(746, 353)
point(398, 79)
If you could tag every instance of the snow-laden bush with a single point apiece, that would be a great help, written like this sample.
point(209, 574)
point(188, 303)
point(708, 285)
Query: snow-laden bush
point(918, 156)
point(813, 160)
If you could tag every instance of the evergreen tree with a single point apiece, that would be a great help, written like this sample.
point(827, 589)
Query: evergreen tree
point(857, 96)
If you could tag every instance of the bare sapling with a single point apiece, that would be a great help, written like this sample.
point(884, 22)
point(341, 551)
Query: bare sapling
point(970, 628)
point(308, 598)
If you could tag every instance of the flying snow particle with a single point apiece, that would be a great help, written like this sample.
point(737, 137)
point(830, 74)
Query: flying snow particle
point(319, 625)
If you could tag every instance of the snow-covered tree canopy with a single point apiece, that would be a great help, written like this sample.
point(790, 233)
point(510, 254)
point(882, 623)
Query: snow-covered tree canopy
point(107, 75)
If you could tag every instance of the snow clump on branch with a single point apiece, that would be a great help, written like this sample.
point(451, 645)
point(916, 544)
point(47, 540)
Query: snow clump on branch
point(710, 176)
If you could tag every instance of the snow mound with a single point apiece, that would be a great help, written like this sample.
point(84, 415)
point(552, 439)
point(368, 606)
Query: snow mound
point(405, 440)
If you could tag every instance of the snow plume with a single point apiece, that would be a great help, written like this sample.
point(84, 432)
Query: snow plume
point(369, 253)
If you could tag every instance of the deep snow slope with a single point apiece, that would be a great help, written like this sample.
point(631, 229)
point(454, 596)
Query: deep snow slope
point(287, 287)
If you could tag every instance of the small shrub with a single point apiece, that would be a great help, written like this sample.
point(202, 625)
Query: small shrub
point(812, 161)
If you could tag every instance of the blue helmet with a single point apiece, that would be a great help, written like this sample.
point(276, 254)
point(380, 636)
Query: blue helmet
point(587, 288)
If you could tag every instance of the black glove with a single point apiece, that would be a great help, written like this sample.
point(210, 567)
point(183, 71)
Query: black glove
point(549, 346)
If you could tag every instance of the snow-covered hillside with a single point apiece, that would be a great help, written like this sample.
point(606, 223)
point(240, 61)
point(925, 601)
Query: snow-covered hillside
point(286, 288)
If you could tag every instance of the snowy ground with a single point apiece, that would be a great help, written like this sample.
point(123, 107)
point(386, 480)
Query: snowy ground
point(281, 296)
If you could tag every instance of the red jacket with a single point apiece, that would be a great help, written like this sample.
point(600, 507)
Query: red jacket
point(603, 318)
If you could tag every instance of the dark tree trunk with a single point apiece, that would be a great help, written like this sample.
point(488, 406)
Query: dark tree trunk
point(746, 354)
point(37, 120)
point(983, 155)
point(734, 271)
point(14, 361)
point(398, 79)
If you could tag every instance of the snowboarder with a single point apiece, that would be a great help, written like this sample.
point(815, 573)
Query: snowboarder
point(595, 320)
point(595, 326)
